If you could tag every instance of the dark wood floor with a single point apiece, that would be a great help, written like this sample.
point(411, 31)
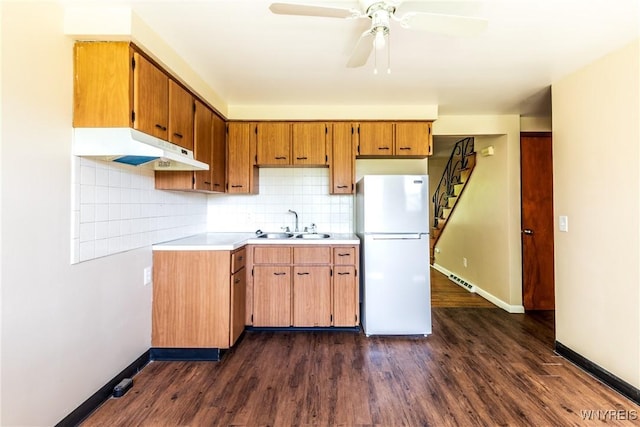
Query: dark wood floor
point(481, 366)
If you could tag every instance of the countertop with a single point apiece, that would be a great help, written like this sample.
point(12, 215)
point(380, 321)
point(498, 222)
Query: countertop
point(231, 241)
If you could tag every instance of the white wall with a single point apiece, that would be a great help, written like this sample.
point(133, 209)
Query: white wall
point(66, 329)
point(596, 153)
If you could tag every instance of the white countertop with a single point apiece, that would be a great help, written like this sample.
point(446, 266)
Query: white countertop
point(231, 241)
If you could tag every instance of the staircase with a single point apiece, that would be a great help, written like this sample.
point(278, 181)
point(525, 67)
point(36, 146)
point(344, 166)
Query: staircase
point(454, 178)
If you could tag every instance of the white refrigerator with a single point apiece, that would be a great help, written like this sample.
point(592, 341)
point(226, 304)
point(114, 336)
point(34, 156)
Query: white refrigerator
point(392, 222)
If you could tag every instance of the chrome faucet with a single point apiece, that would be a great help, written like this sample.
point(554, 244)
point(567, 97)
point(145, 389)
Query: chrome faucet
point(296, 214)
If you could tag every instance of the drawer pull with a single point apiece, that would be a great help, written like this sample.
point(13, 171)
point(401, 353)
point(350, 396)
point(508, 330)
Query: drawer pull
point(279, 274)
point(343, 254)
point(405, 148)
point(303, 274)
point(236, 186)
point(281, 158)
point(301, 158)
point(383, 148)
point(343, 186)
point(207, 183)
point(236, 281)
point(344, 273)
point(161, 127)
point(179, 135)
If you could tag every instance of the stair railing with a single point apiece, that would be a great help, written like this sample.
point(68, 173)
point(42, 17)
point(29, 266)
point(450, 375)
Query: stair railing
point(458, 161)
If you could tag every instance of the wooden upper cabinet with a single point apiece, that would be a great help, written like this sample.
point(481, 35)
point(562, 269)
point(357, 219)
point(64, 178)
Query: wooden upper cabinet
point(150, 98)
point(203, 131)
point(218, 165)
point(103, 79)
point(242, 174)
point(376, 139)
point(341, 159)
point(413, 139)
point(309, 143)
point(273, 143)
point(181, 116)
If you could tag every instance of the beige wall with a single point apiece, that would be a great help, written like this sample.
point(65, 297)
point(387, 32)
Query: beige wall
point(66, 329)
point(485, 228)
point(596, 138)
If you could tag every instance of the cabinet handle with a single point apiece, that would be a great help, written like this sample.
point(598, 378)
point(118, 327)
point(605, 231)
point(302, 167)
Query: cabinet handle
point(303, 274)
point(405, 148)
point(179, 135)
point(383, 148)
point(240, 258)
point(236, 186)
point(207, 183)
point(279, 274)
point(301, 158)
point(281, 158)
point(342, 274)
point(161, 127)
point(216, 185)
point(236, 281)
point(343, 186)
point(344, 254)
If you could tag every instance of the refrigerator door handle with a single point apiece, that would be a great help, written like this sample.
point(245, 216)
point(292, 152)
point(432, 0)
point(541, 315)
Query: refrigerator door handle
point(398, 236)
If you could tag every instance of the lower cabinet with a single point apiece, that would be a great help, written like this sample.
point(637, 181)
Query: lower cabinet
point(198, 298)
point(303, 286)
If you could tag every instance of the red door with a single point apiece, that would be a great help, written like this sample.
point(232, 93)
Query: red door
point(536, 173)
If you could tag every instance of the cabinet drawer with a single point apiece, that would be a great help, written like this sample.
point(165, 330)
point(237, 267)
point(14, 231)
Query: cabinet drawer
point(238, 259)
point(312, 255)
point(344, 256)
point(272, 255)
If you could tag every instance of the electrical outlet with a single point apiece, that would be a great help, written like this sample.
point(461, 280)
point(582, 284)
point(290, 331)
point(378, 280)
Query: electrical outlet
point(464, 262)
point(147, 276)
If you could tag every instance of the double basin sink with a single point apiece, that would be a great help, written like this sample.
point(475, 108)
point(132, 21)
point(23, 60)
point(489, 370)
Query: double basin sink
point(285, 236)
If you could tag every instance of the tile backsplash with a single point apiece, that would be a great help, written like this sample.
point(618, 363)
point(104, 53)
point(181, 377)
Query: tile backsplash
point(304, 190)
point(115, 208)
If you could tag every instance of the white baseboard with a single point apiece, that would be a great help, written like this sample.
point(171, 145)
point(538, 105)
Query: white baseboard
point(473, 288)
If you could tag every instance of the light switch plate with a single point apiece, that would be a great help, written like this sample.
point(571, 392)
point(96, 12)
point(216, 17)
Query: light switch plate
point(563, 223)
point(147, 275)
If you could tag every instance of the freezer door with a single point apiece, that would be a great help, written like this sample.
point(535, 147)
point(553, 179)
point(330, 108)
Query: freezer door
point(396, 285)
point(394, 204)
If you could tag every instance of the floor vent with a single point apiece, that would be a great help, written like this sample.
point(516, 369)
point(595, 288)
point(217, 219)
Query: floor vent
point(461, 282)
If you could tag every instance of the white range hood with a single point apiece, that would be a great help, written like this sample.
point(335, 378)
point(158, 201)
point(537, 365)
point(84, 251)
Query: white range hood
point(132, 147)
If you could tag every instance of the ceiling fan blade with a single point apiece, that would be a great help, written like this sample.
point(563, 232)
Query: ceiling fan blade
point(363, 49)
point(454, 25)
point(311, 10)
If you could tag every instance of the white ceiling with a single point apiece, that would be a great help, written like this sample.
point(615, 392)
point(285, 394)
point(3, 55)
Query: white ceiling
point(250, 56)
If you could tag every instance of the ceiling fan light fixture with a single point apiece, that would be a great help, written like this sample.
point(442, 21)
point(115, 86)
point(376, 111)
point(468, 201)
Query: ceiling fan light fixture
point(379, 41)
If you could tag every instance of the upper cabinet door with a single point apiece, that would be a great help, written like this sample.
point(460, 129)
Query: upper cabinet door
point(376, 139)
point(413, 139)
point(203, 145)
point(180, 116)
point(150, 98)
point(309, 143)
point(218, 155)
point(241, 176)
point(342, 162)
point(273, 143)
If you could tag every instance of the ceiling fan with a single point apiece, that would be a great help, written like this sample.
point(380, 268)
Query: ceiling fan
point(381, 13)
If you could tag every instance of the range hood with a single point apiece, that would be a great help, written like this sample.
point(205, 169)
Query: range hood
point(132, 147)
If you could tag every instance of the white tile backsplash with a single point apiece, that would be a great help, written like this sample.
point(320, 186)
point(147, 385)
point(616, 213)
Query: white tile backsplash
point(304, 190)
point(115, 208)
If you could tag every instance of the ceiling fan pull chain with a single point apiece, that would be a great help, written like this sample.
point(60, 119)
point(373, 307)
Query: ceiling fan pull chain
point(389, 53)
point(375, 61)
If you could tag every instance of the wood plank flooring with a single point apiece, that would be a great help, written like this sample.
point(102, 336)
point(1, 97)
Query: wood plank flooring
point(480, 367)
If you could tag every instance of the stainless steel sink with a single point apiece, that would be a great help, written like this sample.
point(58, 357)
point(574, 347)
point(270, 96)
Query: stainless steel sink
point(313, 236)
point(275, 236)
